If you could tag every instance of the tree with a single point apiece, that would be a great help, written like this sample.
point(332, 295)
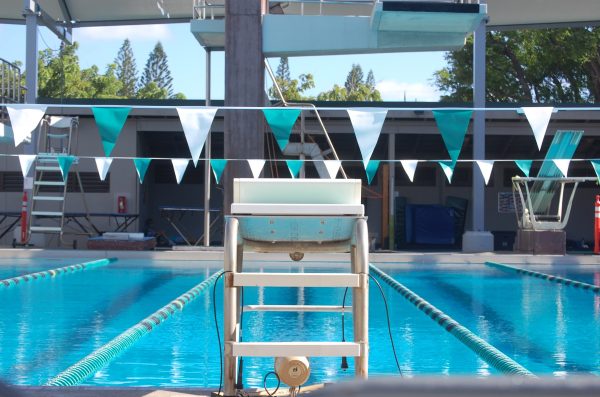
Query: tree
point(355, 88)
point(126, 70)
point(59, 74)
point(292, 89)
point(157, 71)
point(543, 66)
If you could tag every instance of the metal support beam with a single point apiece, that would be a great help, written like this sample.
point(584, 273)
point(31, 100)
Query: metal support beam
point(392, 189)
point(64, 8)
point(62, 30)
point(207, 154)
point(31, 51)
point(360, 298)
point(479, 126)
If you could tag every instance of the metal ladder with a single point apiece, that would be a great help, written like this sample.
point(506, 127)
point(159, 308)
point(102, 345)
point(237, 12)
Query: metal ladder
point(49, 188)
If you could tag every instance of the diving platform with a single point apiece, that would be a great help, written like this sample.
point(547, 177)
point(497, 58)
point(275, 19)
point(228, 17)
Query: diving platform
point(306, 28)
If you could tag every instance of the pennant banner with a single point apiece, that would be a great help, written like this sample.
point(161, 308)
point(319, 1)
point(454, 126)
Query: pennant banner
point(179, 166)
point(485, 166)
point(281, 121)
point(6, 134)
point(196, 124)
point(218, 166)
point(562, 165)
point(110, 122)
point(596, 165)
point(410, 167)
point(64, 163)
point(371, 169)
point(448, 168)
point(141, 166)
point(256, 166)
point(453, 125)
point(367, 126)
point(525, 166)
point(26, 160)
point(538, 120)
point(294, 167)
point(333, 167)
point(103, 164)
point(24, 119)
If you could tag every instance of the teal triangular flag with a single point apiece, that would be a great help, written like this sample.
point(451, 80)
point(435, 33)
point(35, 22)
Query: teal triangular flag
point(141, 166)
point(371, 168)
point(524, 165)
point(218, 166)
point(448, 168)
point(110, 121)
point(64, 163)
point(596, 165)
point(453, 125)
point(294, 167)
point(281, 122)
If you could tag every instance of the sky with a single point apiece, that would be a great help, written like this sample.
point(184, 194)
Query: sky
point(398, 76)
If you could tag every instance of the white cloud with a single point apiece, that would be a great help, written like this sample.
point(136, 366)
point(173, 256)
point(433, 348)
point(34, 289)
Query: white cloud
point(131, 32)
point(392, 90)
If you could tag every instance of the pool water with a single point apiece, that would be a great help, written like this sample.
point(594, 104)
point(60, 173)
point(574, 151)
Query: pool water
point(47, 325)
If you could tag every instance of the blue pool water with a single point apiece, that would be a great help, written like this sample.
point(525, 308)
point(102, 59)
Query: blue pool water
point(45, 326)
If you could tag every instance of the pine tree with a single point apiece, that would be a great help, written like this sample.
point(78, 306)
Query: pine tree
point(370, 81)
point(354, 79)
point(283, 70)
point(126, 71)
point(157, 70)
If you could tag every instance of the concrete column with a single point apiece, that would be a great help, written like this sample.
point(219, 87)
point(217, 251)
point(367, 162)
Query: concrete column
point(392, 190)
point(477, 239)
point(31, 51)
point(244, 86)
point(207, 154)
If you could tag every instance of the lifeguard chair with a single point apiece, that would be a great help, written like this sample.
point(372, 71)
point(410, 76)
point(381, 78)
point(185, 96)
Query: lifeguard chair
point(295, 216)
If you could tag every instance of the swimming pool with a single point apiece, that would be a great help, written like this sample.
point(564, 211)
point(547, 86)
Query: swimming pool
point(47, 325)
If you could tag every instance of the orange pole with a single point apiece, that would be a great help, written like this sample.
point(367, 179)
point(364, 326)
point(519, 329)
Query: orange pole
point(597, 227)
point(24, 219)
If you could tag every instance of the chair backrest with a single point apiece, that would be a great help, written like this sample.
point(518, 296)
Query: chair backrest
point(563, 146)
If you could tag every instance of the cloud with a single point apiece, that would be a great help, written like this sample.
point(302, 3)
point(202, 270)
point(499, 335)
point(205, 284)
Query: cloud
point(132, 32)
point(392, 90)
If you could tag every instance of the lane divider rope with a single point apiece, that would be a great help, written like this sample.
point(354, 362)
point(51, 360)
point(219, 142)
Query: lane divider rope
point(105, 354)
point(483, 349)
point(79, 267)
point(549, 277)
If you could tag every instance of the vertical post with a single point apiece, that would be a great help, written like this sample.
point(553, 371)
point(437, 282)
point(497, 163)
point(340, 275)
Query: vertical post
point(360, 298)
point(392, 189)
point(31, 50)
point(479, 126)
point(244, 86)
point(302, 156)
point(230, 305)
point(207, 154)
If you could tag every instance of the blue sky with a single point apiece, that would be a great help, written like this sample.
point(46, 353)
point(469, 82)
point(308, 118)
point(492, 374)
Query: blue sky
point(397, 75)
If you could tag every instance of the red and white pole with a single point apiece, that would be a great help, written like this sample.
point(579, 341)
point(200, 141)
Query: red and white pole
point(24, 219)
point(597, 227)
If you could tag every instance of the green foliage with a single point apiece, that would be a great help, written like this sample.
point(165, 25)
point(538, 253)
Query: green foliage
point(355, 88)
point(126, 70)
point(539, 66)
point(157, 71)
point(292, 89)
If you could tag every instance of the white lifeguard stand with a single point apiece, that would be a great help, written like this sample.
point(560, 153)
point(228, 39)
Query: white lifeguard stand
point(296, 216)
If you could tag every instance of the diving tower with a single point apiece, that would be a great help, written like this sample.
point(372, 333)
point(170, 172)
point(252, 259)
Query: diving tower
point(335, 27)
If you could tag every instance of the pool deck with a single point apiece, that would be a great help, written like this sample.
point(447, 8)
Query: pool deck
point(384, 258)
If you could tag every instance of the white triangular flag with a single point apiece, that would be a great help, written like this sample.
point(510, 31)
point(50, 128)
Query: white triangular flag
point(538, 119)
point(24, 119)
point(333, 167)
point(196, 124)
point(256, 166)
point(179, 166)
point(26, 160)
point(103, 164)
point(485, 166)
point(410, 166)
point(562, 165)
point(367, 125)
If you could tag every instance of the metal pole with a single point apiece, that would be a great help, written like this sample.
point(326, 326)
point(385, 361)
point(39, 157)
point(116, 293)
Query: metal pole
point(207, 154)
point(31, 50)
point(302, 156)
point(392, 190)
point(479, 125)
point(230, 305)
point(360, 298)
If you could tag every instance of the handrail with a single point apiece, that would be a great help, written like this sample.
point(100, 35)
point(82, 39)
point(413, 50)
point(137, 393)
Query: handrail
point(308, 105)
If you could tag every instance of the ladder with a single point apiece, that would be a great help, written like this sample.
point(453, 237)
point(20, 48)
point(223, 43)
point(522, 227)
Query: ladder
point(55, 138)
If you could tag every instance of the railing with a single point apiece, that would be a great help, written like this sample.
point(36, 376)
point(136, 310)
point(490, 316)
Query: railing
point(205, 9)
point(11, 90)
